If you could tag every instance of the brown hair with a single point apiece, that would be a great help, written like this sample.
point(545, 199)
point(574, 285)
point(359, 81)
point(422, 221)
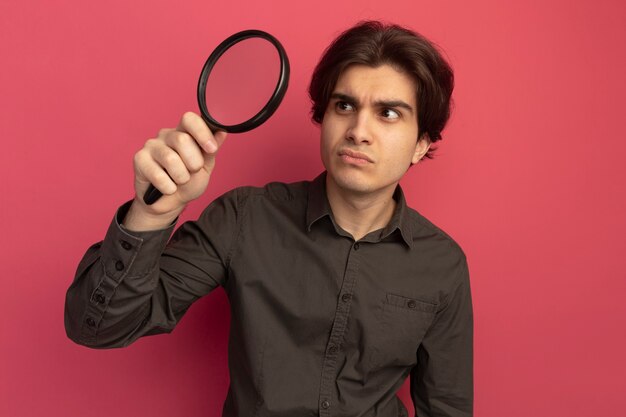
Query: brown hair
point(374, 43)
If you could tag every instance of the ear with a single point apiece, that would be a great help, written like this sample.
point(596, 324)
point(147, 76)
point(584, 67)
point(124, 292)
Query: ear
point(422, 146)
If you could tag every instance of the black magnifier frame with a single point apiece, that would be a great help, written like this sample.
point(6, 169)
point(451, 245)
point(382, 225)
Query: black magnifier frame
point(274, 101)
point(152, 193)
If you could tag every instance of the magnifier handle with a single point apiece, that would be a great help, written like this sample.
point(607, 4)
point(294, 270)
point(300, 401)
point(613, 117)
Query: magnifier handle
point(152, 195)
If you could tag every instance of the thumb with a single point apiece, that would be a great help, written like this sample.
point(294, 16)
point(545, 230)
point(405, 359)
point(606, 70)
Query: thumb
point(209, 158)
point(220, 137)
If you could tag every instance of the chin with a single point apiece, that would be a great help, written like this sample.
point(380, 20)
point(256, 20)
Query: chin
point(356, 182)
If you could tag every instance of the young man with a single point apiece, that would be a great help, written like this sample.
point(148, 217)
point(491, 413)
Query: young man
point(338, 290)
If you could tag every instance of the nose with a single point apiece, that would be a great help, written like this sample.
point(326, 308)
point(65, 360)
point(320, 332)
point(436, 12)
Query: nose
point(359, 129)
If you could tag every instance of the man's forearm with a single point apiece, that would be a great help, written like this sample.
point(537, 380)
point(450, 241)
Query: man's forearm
point(109, 301)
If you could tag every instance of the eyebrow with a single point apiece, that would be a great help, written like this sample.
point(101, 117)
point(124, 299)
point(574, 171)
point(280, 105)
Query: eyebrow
point(378, 103)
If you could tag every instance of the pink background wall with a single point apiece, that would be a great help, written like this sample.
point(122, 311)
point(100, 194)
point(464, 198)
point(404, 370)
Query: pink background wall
point(529, 179)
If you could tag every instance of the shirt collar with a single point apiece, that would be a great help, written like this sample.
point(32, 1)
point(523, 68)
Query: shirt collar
point(319, 207)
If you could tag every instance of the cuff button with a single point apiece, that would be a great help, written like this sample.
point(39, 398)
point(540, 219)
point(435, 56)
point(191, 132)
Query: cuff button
point(99, 297)
point(119, 265)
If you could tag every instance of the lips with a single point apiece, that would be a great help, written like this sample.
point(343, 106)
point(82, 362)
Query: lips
point(354, 154)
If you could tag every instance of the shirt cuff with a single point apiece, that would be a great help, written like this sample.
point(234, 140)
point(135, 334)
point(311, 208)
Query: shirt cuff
point(129, 253)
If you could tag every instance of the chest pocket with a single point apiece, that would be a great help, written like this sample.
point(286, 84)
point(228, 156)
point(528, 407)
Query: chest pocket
point(402, 324)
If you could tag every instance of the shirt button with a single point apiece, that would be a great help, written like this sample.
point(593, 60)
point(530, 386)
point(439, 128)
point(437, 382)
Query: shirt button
point(90, 322)
point(332, 350)
point(345, 298)
point(99, 297)
point(356, 246)
point(126, 245)
point(119, 265)
point(325, 404)
point(412, 304)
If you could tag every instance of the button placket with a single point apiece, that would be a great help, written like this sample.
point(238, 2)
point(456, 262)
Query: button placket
point(342, 313)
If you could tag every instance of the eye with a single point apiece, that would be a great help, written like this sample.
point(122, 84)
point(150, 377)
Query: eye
point(390, 114)
point(344, 106)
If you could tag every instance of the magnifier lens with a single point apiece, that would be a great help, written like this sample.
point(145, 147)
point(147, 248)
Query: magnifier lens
point(242, 81)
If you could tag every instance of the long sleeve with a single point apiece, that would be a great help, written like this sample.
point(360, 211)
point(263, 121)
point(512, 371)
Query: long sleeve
point(442, 382)
point(134, 284)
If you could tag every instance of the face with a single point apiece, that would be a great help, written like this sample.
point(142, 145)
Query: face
point(369, 130)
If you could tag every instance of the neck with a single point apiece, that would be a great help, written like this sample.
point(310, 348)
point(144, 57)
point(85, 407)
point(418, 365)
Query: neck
point(360, 213)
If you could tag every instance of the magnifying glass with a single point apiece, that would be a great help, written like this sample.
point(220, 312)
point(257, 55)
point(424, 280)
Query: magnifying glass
point(241, 85)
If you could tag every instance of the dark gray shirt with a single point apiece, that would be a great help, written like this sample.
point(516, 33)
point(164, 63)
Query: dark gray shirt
point(320, 324)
